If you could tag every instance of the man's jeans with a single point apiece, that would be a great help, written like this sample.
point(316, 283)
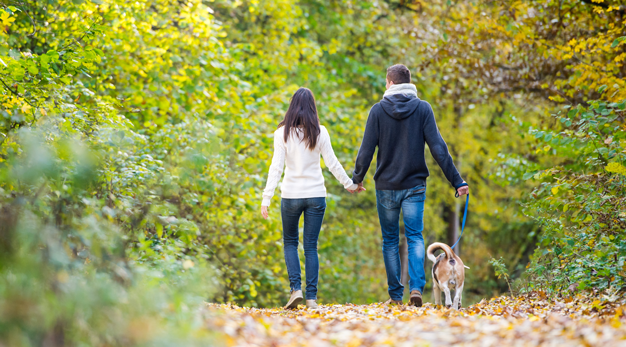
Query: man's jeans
point(389, 203)
point(291, 210)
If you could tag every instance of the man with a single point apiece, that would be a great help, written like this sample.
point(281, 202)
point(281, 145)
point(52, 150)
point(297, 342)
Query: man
point(400, 125)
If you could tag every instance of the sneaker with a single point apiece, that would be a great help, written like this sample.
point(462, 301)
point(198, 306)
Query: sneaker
point(416, 298)
point(295, 299)
point(393, 302)
point(312, 304)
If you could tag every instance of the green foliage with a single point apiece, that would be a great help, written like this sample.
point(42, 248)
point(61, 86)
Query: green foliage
point(67, 275)
point(501, 272)
point(579, 199)
point(82, 199)
point(532, 51)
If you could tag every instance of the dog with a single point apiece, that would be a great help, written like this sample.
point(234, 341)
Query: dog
point(448, 270)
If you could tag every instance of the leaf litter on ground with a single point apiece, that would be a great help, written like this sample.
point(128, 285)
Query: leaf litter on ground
point(526, 320)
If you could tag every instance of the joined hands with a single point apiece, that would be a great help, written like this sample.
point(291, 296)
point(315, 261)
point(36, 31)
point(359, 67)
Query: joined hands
point(358, 189)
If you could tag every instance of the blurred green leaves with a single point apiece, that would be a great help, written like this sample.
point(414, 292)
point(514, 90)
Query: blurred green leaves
point(67, 275)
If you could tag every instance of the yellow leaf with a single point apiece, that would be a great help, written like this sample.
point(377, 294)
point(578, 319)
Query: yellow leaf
point(6, 18)
point(616, 167)
point(26, 108)
point(554, 190)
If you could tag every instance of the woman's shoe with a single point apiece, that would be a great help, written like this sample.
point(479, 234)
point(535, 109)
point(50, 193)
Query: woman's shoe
point(312, 304)
point(294, 300)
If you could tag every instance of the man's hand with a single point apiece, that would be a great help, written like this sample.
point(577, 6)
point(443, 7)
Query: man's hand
point(463, 190)
point(360, 188)
point(264, 212)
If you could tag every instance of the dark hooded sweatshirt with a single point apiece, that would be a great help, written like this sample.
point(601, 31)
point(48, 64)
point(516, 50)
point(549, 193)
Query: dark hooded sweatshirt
point(400, 126)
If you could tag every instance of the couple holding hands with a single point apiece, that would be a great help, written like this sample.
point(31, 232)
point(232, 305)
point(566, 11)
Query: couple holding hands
point(400, 125)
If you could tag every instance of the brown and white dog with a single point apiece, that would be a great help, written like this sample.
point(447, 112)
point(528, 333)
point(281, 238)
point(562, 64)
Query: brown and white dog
point(448, 270)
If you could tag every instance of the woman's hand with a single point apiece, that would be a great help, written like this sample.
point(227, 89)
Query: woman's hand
point(264, 212)
point(357, 188)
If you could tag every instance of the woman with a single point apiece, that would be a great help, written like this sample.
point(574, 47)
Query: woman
point(298, 143)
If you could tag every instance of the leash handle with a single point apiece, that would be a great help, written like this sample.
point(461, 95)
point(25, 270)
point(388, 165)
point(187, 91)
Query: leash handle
point(464, 218)
point(456, 193)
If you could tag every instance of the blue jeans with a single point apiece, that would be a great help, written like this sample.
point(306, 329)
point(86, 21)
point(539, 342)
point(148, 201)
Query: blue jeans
point(291, 210)
point(389, 203)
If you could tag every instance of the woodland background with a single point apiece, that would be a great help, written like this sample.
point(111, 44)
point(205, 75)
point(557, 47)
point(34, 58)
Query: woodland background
point(135, 142)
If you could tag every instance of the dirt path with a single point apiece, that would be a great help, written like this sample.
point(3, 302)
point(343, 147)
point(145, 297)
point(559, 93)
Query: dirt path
point(525, 321)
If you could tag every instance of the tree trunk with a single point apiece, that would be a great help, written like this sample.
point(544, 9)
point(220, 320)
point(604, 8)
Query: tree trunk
point(404, 257)
point(455, 211)
point(452, 216)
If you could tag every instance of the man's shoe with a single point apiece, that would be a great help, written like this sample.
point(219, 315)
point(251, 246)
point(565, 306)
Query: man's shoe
point(312, 304)
point(416, 298)
point(393, 302)
point(294, 300)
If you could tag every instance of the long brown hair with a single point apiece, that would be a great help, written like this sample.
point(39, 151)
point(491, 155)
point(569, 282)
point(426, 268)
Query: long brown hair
point(302, 113)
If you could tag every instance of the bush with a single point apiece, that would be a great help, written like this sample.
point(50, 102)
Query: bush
point(68, 276)
point(579, 201)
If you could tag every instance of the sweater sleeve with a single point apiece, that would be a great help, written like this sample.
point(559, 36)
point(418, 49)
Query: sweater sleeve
point(368, 147)
point(276, 169)
point(439, 149)
point(331, 161)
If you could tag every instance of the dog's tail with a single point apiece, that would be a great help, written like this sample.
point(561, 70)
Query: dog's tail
point(438, 245)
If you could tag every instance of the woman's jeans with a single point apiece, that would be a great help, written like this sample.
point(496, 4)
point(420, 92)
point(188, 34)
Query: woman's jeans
point(389, 204)
point(291, 210)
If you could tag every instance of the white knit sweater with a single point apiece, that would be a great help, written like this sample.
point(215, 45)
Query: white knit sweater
point(303, 175)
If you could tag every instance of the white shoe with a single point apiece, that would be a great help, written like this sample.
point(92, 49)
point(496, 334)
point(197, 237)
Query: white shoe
point(311, 304)
point(295, 299)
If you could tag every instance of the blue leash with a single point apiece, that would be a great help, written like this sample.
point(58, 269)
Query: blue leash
point(464, 218)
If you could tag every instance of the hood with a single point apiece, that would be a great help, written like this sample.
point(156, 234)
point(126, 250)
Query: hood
point(400, 101)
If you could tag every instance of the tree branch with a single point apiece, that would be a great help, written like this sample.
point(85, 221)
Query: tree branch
point(32, 21)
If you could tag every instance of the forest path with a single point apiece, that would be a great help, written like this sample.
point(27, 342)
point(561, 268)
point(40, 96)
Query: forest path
point(530, 320)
